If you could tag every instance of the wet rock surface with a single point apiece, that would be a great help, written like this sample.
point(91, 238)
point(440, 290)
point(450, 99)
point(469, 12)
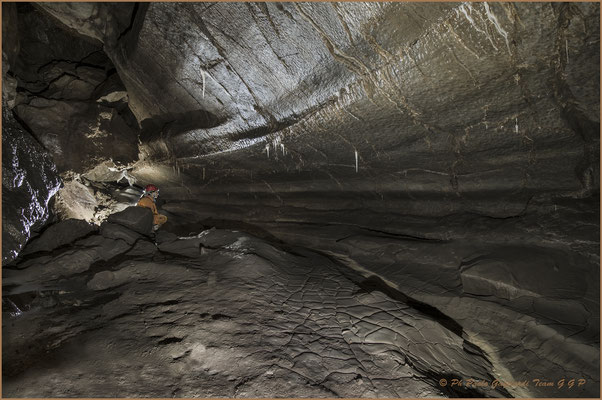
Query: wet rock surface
point(29, 180)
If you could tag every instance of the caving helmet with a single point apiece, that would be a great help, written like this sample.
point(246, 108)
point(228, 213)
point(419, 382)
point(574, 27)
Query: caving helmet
point(151, 188)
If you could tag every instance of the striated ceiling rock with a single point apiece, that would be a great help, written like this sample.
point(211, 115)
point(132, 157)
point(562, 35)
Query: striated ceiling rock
point(455, 104)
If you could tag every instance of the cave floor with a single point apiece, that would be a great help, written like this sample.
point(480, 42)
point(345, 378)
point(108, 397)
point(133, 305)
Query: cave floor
point(241, 319)
point(348, 311)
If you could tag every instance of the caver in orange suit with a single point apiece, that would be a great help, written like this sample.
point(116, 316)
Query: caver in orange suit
point(148, 200)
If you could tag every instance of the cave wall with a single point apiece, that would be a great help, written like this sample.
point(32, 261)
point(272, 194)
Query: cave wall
point(70, 96)
point(29, 180)
point(64, 112)
point(29, 174)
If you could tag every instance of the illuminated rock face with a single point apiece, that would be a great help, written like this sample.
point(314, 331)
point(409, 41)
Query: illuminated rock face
point(428, 108)
point(29, 180)
point(443, 158)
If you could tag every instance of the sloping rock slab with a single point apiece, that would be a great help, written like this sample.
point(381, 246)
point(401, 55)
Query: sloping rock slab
point(215, 238)
point(105, 248)
point(103, 280)
point(190, 247)
point(84, 254)
point(138, 219)
point(60, 234)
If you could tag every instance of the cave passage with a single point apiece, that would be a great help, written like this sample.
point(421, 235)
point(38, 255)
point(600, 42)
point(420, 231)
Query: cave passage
point(378, 200)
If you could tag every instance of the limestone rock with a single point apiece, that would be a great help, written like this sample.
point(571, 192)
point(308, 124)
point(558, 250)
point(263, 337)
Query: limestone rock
point(47, 50)
point(79, 134)
point(100, 21)
point(105, 248)
point(76, 259)
point(425, 177)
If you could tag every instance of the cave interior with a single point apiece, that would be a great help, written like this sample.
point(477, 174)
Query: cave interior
point(383, 199)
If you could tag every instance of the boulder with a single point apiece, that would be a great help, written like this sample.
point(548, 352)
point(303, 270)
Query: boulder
point(76, 200)
point(70, 263)
point(59, 234)
point(138, 219)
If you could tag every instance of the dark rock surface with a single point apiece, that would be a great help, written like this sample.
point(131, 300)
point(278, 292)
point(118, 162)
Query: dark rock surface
point(142, 248)
point(187, 247)
point(115, 231)
point(138, 219)
point(163, 236)
point(49, 272)
point(292, 324)
point(79, 135)
point(59, 234)
point(63, 81)
point(534, 277)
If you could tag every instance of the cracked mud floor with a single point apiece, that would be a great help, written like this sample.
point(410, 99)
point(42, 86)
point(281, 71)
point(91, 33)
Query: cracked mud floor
point(240, 319)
